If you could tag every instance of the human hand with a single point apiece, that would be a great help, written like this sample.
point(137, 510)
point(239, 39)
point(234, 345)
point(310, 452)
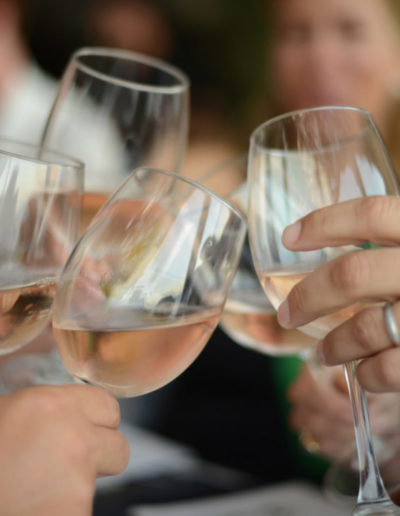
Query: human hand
point(361, 276)
point(55, 442)
point(321, 409)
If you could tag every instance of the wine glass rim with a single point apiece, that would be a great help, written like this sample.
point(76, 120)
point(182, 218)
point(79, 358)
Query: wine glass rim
point(220, 167)
point(238, 159)
point(183, 81)
point(299, 112)
point(185, 179)
point(22, 150)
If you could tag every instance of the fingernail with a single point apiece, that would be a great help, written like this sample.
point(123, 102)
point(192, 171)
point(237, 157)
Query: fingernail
point(291, 233)
point(320, 353)
point(284, 314)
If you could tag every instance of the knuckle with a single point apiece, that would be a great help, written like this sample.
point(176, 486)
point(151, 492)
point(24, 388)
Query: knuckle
point(350, 272)
point(320, 221)
point(379, 373)
point(372, 209)
point(387, 372)
point(329, 349)
point(364, 326)
point(114, 410)
point(80, 446)
point(101, 397)
point(50, 401)
point(298, 298)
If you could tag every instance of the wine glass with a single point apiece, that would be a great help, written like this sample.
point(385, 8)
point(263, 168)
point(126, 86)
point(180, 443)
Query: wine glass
point(299, 162)
point(250, 320)
point(115, 110)
point(248, 317)
point(40, 195)
point(145, 286)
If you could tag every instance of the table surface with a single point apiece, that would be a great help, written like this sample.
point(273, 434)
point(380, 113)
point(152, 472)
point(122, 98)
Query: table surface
point(160, 470)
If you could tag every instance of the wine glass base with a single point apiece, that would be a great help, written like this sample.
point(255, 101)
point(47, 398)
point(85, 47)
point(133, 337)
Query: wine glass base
point(36, 369)
point(377, 509)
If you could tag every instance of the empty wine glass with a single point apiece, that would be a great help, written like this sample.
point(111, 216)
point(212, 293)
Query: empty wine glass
point(115, 110)
point(40, 196)
point(299, 162)
point(146, 284)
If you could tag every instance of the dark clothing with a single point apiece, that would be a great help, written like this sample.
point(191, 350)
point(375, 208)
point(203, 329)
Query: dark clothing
point(225, 406)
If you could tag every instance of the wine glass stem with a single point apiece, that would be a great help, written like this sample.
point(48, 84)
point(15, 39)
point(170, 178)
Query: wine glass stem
point(372, 489)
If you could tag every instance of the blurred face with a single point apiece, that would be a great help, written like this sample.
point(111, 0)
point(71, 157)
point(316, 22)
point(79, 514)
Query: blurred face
point(136, 26)
point(343, 52)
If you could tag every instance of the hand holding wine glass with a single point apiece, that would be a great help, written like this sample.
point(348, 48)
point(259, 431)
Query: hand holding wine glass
point(369, 275)
point(56, 441)
point(299, 163)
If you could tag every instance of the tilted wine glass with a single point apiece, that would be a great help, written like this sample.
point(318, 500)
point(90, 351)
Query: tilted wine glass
point(146, 284)
point(300, 162)
point(40, 196)
point(115, 110)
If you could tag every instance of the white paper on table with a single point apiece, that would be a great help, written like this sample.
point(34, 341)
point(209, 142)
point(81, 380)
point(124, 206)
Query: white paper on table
point(291, 499)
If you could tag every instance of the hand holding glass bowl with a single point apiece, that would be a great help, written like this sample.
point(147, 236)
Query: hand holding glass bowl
point(299, 163)
point(146, 284)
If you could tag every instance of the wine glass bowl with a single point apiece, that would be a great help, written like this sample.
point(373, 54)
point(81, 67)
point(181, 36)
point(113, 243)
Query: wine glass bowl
point(301, 162)
point(40, 194)
point(146, 284)
point(117, 110)
point(248, 317)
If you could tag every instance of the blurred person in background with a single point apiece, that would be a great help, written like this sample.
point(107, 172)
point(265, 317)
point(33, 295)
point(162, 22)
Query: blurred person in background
point(336, 53)
point(137, 25)
point(26, 91)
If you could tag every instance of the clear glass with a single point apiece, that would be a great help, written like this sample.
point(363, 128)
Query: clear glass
point(299, 162)
point(118, 110)
point(115, 110)
point(248, 317)
point(146, 284)
point(40, 197)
